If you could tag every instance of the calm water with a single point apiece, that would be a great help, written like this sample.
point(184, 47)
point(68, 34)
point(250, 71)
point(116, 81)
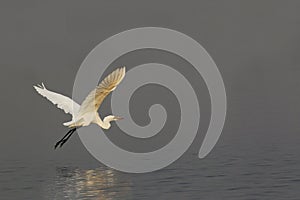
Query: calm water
point(241, 170)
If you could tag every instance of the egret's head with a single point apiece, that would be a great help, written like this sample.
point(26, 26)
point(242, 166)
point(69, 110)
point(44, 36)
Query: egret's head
point(116, 118)
point(109, 119)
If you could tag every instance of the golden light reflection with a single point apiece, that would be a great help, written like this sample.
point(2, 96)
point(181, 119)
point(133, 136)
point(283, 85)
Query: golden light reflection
point(101, 184)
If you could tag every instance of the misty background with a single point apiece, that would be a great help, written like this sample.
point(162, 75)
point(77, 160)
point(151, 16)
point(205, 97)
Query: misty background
point(255, 45)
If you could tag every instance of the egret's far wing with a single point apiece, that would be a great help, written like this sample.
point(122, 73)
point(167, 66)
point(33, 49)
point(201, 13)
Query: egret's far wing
point(93, 101)
point(62, 102)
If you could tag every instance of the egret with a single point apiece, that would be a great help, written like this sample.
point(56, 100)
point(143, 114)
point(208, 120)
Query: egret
point(87, 112)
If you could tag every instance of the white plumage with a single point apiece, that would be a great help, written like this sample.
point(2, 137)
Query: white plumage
point(61, 101)
point(86, 113)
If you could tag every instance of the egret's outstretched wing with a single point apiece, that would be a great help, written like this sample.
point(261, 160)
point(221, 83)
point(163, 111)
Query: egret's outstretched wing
point(62, 102)
point(93, 101)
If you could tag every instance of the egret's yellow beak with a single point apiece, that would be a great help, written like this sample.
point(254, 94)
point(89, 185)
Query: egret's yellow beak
point(118, 118)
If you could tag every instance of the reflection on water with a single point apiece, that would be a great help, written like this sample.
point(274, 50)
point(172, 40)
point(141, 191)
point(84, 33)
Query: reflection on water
point(98, 184)
point(231, 172)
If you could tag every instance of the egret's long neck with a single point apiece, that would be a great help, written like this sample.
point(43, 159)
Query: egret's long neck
point(103, 124)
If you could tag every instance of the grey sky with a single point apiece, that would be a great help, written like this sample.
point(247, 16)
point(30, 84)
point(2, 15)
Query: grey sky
point(255, 44)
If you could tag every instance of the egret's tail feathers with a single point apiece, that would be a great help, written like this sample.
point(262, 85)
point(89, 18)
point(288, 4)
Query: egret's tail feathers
point(68, 123)
point(73, 124)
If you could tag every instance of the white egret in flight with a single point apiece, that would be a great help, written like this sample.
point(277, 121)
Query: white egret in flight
point(86, 113)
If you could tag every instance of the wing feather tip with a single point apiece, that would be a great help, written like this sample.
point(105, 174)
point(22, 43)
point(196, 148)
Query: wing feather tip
point(38, 86)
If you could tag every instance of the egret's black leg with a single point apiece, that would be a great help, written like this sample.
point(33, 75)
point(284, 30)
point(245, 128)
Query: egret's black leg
point(57, 143)
point(67, 138)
